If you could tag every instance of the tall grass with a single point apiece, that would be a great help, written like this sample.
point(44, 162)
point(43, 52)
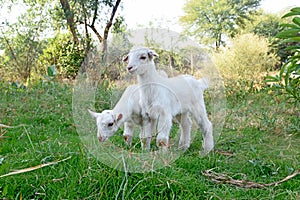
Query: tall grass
point(260, 142)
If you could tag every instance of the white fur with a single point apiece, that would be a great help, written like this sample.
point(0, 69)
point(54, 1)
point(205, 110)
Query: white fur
point(128, 111)
point(163, 98)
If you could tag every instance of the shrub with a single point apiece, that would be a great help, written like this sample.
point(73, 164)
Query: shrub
point(288, 80)
point(65, 54)
point(242, 63)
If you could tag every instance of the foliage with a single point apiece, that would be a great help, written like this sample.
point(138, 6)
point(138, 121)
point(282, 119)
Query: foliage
point(62, 52)
point(288, 80)
point(21, 45)
point(51, 73)
point(210, 20)
point(241, 64)
point(264, 24)
point(268, 25)
point(259, 143)
point(92, 15)
point(25, 41)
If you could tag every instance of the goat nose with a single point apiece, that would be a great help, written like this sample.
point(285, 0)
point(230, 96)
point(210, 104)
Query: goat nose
point(101, 139)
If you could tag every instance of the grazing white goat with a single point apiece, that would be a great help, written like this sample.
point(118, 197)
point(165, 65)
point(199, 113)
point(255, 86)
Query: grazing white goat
point(162, 98)
point(128, 111)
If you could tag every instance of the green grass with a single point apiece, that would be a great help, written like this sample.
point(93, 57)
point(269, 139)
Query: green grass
point(261, 132)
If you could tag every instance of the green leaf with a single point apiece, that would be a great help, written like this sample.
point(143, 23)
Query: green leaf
point(294, 39)
point(297, 69)
point(288, 33)
point(295, 57)
point(296, 20)
point(289, 26)
point(51, 70)
point(282, 70)
point(296, 9)
point(293, 48)
point(293, 12)
point(271, 79)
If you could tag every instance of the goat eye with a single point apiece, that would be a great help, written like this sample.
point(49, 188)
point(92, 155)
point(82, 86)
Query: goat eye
point(143, 57)
point(110, 124)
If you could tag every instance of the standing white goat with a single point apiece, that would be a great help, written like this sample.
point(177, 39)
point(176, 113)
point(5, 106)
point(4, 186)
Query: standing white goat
point(128, 111)
point(163, 98)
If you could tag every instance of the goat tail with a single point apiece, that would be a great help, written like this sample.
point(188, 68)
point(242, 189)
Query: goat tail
point(204, 82)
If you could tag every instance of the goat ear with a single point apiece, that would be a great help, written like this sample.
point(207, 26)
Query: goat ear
point(125, 58)
point(119, 116)
point(152, 54)
point(93, 114)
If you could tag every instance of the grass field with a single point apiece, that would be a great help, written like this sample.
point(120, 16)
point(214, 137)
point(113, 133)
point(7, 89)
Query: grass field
point(260, 142)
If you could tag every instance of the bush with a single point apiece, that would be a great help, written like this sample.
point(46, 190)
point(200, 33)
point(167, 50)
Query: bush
point(62, 52)
point(242, 63)
point(288, 80)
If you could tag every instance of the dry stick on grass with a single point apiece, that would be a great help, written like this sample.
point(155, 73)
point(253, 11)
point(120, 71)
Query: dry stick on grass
point(34, 168)
point(6, 126)
point(223, 178)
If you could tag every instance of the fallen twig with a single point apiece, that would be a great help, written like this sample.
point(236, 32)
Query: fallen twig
point(34, 168)
point(225, 153)
point(6, 126)
point(225, 179)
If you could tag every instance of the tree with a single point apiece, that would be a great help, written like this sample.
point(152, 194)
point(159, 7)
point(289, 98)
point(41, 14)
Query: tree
point(22, 45)
point(211, 20)
point(96, 15)
point(269, 25)
point(23, 42)
point(264, 24)
point(91, 15)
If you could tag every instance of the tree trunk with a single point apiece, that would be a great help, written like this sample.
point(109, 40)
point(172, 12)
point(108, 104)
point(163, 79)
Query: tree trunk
point(172, 62)
point(218, 41)
point(70, 19)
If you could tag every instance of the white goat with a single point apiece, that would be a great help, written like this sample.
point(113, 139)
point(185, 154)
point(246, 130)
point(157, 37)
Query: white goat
point(128, 111)
point(163, 98)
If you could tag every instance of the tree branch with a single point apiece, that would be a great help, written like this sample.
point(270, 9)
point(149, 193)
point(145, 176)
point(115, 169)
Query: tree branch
point(10, 48)
point(109, 23)
point(95, 14)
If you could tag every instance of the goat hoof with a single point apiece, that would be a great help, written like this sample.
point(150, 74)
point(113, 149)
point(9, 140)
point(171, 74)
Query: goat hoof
point(128, 139)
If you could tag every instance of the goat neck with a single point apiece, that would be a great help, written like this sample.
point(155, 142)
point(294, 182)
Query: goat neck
point(150, 74)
